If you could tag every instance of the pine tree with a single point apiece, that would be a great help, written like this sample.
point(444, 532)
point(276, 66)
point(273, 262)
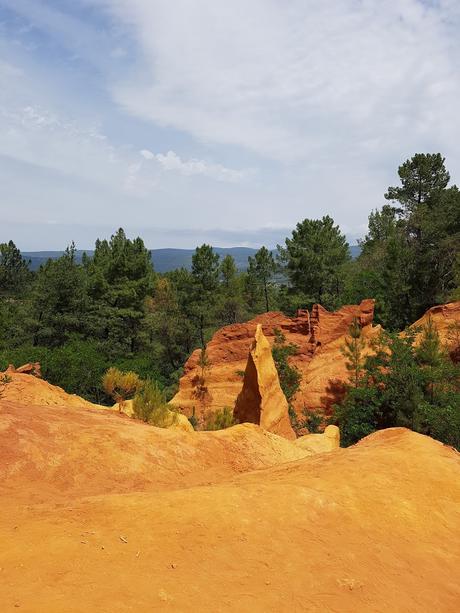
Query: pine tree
point(261, 269)
point(314, 258)
point(205, 274)
point(353, 351)
point(14, 269)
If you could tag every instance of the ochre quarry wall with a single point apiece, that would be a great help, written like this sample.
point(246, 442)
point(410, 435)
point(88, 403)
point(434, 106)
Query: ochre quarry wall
point(446, 318)
point(318, 335)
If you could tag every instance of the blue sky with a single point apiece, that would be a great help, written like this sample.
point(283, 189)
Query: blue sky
point(187, 121)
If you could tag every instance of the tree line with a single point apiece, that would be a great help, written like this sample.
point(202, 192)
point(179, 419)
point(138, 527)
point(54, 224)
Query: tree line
point(113, 309)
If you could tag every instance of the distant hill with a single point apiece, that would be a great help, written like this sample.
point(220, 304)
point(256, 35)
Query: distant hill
point(355, 251)
point(164, 260)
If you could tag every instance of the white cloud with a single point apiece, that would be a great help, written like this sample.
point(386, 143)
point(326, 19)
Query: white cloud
point(148, 155)
point(170, 161)
point(299, 79)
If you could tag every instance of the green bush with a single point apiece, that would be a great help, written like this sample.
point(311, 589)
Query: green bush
point(440, 422)
point(289, 376)
point(120, 385)
point(313, 420)
point(150, 405)
point(77, 366)
point(221, 419)
point(404, 384)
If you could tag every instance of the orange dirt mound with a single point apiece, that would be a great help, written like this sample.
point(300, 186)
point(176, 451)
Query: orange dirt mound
point(100, 513)
point(27, 389)
point(72, 452)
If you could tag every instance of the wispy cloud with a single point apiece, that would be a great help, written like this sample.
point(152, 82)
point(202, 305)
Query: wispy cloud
point(292, 80)
point(170, 161)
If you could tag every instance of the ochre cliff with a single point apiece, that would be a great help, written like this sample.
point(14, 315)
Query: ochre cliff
point(446, 319)
point(318, 336)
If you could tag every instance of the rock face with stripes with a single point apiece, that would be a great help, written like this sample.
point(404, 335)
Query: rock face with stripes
point(262, 401)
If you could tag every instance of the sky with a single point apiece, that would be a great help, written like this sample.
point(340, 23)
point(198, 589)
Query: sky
point(191, 121)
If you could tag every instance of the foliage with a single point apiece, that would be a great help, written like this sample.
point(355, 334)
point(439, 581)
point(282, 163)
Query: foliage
point(312, 421)
point(410, 257)
point(58, 300)
point(193, 420)
point(149, 405)
point(261, 269)
point(77, 366)
point(289, 375)
point(423, 178)
point(205, 275)
point(353, 351)
point(119, 278)
point(14, 269)
point(404, 383)
point(453, 336)
point(204, 364)
point(230, 303)
point(313, 259)
point(219, 420)
point(120, 385)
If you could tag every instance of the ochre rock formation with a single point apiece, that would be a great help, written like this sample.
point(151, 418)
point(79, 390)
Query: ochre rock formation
point(446, 318)
point(31, 368)
point(320, 443)
point(319, 337)
point(102, 513)
point(261, 401)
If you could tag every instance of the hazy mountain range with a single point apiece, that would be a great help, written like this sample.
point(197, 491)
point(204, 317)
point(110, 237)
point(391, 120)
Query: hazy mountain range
point(164, 260)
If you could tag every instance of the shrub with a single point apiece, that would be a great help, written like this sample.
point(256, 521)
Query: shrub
point(150, 405)
point(120, 385)
point(193, 420)
point(289, 376)
point(440, 422)
point(404, 384)
point(77, 366)
point(221, 419)
point(313, 421)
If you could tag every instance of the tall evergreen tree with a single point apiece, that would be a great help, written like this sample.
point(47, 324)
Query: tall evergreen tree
point(120, 277)
point(314, 258)
point(59, 300)
point(205, 273)
point(231, 303)
point(14, 269)
point(261, 268)
point(412, 249)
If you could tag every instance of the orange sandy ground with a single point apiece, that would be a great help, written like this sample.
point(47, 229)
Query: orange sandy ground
point(100, 513)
